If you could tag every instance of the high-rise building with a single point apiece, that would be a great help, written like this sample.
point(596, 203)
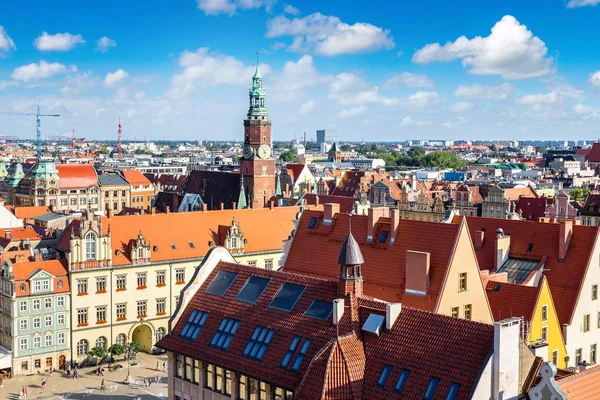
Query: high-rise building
point(328, 138)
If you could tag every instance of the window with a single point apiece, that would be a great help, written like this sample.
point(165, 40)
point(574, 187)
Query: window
point(90, 246)
point(37, 304)
point(101, 314)
point(586, 322)
point(37, 323)
point(269, 264)
point(23, 307)
point(48, 302)
point(544, 313)
point(141, 280)
point(577, 357)
point(593, 353)
point(290, 353)
point(48, 321)
point(74, 201)
point(49, 340)
point(63, 202)
point(545, 333)
point(121, 282)
point(101, 342)
point(37, 342)
point(60, 284)
point(453, 392)
point(225, 333)
point(160, 333)
point(180, 275)
point(160, 278)
point(101, 284)
point(82, 317)
point(23, 345)
point(82, 286)
point(301, 355)
point(46, 285)
point(23, 324)
point(219, 285)
point(319, 309)
point(82, 347)
point(431, 388)
point(455, 312)
point(462, 282)
point(312, 223)
point(121, 339)
point(141, 309)
point(383, 236)
point(60, 338)
point(60, 319)
point(121, 311)
point(594, 292)
point(555, 357)
point(252, 290)
point(468, 311)
point(37, 286)
point(82, 201)
point(252, 263)
point(234, 242)
point(401, 381)
point(258, 343)
point(60, 301)
point(161, 306)
point(383, 377)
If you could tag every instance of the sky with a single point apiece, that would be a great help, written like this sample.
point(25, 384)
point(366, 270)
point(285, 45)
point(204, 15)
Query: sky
point(379, 70)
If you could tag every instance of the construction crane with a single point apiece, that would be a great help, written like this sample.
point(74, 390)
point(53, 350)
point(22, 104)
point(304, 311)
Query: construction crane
point(38, 125)
point(120, 143)
point(63, 138)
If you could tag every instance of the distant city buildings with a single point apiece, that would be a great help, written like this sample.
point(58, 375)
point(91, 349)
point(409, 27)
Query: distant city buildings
point(325, 139)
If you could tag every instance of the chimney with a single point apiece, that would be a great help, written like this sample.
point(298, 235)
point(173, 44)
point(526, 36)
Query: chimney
point(8, 234)
point(395, 217)
point(167, 210)
point(374, 214)
point(479, 236)
point(506, 359)
point(19, 258)
point(37, 256)
point(330, 209)
point(204, 207)
point(234, 205)
point(153, 210)
point(222, 206)
point(271, 204)
point(564, 238)
point(417, 272)
point(109, 213)
point(317, 201)
point(502, 248)
point(338, 310)
point(392, 312)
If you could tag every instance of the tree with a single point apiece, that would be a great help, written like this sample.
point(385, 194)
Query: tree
point(443, 159)
point(289, 156)
point(416, 152)
point(104, 150)
point(579, 193)
point(98, 352)
point(116, 349)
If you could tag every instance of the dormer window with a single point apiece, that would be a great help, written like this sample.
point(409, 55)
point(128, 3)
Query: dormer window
point(90, 246)
point(234, 243)
point(141, 252)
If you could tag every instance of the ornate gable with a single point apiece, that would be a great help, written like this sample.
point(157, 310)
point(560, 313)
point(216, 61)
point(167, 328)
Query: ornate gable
point(234, 238)
point(140, 250)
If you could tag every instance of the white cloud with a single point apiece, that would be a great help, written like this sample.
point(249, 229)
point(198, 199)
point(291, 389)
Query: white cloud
point(510, 50)
point(295, 78)
point(424, 99)
point(201, 68)
point(5, 84)
point(594, 79)
point(6, 43)
point(352, 112)
point(43, 70)
point(407, 79)
point(582, 3)
point(307, 107)
point(477, 91)
point(349, 89)
point(289, 9)
point(581, 109)
point(410, 121)
point(80, 83)
point(104, 44)
point(461, 106)
point(328, 35)
point(455, 123)
point(549, 98)
point(216, 7)
point(57, 42)
point(114, 78)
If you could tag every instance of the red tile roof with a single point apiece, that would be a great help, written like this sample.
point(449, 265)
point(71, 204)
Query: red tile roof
point(513, 194)
point(385, 264)
point(564, 278)
point(594, 153)
point(511, 300)
point(23, 270)
point(582, 386)
point(29, 212)
point(346, 203)
point(295, 170)
point(135, 178)
point(532, 208)
point(76, 176)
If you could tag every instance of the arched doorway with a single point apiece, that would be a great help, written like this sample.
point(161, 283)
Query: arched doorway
point(143, 335)
point(61, 361)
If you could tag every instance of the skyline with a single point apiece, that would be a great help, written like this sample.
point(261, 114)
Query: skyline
point(414, 71)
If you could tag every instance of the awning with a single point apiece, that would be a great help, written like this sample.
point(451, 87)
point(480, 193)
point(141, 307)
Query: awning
point(5, 358)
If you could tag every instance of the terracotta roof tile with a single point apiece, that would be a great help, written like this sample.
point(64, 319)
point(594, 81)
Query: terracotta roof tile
point(593, 154)
point(76, 176)
point(58, 268)
point(533, 208)
point(135, 178)
point(29, 212)
point(511, 300)
point(582, 386)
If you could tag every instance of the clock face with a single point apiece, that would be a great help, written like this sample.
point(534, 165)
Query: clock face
point(264, 151)
point(248, 151)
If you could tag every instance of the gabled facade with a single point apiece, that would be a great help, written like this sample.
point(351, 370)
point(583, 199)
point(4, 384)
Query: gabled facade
point(422, 207)
point(562, 208)
point(467, 200)
point(141, 189)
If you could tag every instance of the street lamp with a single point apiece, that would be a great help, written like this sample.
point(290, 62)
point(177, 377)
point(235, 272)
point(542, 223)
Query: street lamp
point(129, 348)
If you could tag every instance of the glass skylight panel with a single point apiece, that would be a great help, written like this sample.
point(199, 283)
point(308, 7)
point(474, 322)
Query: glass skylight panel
point(312, 223)
point(453, 392)
point(192, 245)
point(301, 355)
point(401, 380)
point(374, 323)
point(194, 324)
point(252, 290)
point(290, 353)
point(287, 296)
point(383, 377)
point(221, 283)
point(225, 333)
point(431, 388)
point(320, 309)
point(383, 236)
point(258, 343)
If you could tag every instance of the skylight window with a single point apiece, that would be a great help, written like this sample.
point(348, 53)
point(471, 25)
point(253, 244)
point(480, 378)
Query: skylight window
point(530, 247)
point(301, 355)
point(374, 323)
point(312, 223)
point(383, 377)
point(192, 246)
point(401, 380)
point(194, 324)
point(173, 247)
point(290, 353)
point(453, 392)
point(225, 333)
point(258, 343)
point(383, 236)
point(221, 283)
point(320, 309)
point(431, 388)
point(287, 296)
point(252, 290)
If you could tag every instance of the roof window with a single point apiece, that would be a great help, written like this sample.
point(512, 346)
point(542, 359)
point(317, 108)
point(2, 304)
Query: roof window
point(373, 324)
point(192, 246)
point(221, 283)
point(383, 377)
point(312, 223)
point(194, 324)
point(453, 392)
point(431, 388)
point(383, 236)
point(301, 355)
point(252, 290)
point(401, 381)
point(530, 247)
point(287, 296)
point(320, 309)
point(173, 246)
point(258, 343)
point(225, 333)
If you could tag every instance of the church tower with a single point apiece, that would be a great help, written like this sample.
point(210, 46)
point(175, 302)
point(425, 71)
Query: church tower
point(257, 165)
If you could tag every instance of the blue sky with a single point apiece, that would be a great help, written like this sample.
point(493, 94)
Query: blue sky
point(376, 70)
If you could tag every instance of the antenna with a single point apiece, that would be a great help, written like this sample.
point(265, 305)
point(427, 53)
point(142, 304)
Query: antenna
point(120, 144)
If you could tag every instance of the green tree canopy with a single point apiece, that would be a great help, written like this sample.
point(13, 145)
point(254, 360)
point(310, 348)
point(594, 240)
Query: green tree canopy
point(289, 156)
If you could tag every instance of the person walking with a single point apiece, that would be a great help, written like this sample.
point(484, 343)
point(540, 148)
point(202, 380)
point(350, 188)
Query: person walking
point(76, 373)
point(68, 369)
point(164, 366)
point(157, 364)
point(26, 391)
point(44, 381)
point(102, 385)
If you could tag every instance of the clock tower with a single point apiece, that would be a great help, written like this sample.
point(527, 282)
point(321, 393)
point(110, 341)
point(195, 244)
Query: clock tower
point(257, 165)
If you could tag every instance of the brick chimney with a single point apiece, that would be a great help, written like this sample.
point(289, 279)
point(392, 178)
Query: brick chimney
point(234, 205)
point(222, 205)
point(502, 248)
point(374, 214)
point(37, 256)
point(564, 238)
point(417, 272)
point(167, 210)
point(109, 213)
point(395, 217)
point(204, 207)
point(479, 236)
point(317, 201)
point(153, 210)
point(330, 209)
